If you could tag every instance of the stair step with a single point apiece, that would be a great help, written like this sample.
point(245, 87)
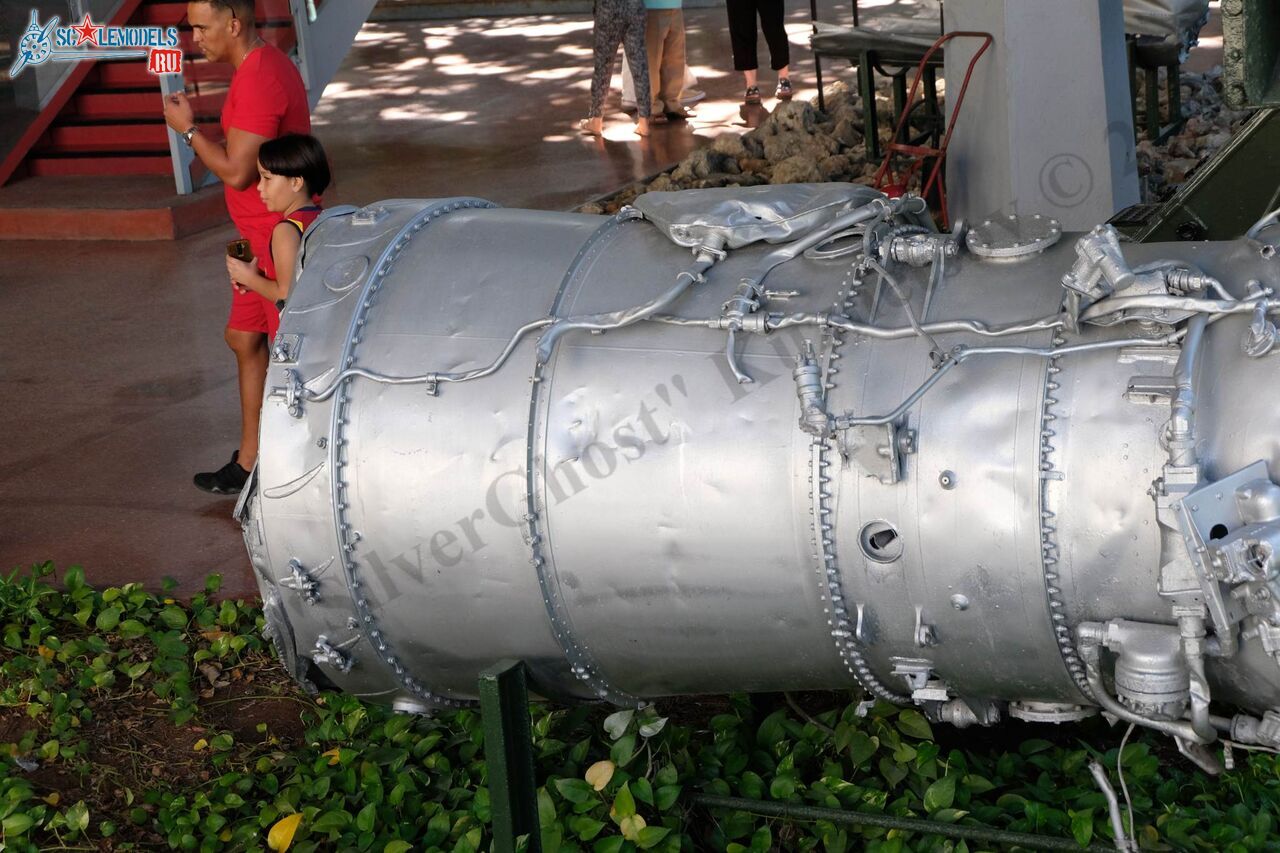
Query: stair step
point(175, 14)
point(46, 165)
point(150, 137)
point(134, 74)
point(133, 104)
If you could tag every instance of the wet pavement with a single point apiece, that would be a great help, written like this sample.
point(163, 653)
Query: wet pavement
point(116, 382)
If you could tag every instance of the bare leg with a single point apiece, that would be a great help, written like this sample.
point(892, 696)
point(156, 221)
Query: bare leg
point(750, 76)
point(784, 73)
point(251, 353)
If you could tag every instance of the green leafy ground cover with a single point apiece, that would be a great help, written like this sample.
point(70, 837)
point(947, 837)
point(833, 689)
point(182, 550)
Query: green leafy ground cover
point(129, 721)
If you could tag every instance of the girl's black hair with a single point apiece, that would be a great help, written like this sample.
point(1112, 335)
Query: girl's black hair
point(297, 155)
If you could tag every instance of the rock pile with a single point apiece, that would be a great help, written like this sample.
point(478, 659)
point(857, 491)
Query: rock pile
point(798, 143)
point(1209, 125)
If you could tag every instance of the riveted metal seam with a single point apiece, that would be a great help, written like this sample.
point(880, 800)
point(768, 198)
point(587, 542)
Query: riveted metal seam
point(348, 538)
point(831, 583)
point(1050, 554)
point(575, 650)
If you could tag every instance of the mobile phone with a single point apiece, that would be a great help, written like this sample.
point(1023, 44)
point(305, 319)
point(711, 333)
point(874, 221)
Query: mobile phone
point(240, 249)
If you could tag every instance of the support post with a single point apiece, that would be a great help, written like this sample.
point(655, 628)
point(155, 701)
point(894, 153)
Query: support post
point(508, 751)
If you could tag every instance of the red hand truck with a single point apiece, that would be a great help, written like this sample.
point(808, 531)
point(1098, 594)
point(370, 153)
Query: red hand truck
point(895, 182)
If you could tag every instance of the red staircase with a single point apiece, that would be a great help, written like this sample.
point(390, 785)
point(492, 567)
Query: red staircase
point(112, 123)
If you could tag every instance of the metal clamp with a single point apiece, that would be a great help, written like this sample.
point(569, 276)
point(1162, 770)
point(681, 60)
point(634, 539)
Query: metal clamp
point(334, 656)
point(303, 582)
point(286, 349)
point(290, 392)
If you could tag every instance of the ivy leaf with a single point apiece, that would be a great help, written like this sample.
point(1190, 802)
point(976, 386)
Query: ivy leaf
point(630, 827)
point(762, 840)
point(940, 795)
point(546, 808)
point(861, 747)
point(608, 845)
point(624, 805)
point(585, 827)
point(642, 791)
point(977, 784)
point(782, 788)
point(751, 786)
point(397, 846)
point(131, 629)
point(77, 817)
point(650, 836)
point(624, 750)
point(1082, 826)
point(616, 723)
point(599, 774)
point(771, 730)
point(1033, 745)
point(338, 819)
point(174, 617)
point(16, 824)
point(651, 728)
point(574, 790)
point(109, 618)
point(666, 796)
point(366, 817)
point(893, 773)
point(280, 836)
point(913, 724)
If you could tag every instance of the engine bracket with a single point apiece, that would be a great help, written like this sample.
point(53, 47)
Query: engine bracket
point(1210, 515)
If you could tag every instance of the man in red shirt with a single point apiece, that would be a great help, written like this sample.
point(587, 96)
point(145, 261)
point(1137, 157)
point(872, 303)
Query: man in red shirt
point(267, 99)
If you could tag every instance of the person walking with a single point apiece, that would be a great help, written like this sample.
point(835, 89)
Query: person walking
point(742, 35)
point(266, 99)
point(664, 39)
point(618, 22)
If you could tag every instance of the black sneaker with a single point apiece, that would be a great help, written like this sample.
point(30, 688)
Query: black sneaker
point(785, 91)
point(227, 480)
point(753, 95)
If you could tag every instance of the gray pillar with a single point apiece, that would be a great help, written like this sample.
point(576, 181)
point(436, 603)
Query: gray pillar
point(1046, 125)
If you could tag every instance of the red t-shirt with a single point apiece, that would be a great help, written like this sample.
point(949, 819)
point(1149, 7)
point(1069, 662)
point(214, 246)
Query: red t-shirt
point(266, 98)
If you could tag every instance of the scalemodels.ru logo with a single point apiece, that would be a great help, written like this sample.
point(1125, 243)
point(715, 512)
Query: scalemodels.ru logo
point(89, 41)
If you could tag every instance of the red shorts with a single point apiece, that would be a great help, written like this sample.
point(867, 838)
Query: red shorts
point(249, 311)
point(253, 313)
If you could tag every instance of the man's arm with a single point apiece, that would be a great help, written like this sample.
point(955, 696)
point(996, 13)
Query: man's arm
point(236, 165)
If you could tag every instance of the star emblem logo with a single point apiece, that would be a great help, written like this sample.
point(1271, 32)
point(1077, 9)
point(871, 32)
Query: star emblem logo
point(87, 32)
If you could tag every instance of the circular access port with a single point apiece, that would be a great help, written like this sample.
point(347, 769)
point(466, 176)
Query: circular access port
point(880, 541)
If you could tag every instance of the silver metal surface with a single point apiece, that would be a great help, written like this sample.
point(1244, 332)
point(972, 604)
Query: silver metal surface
point(1012, 237)
point(461, 466)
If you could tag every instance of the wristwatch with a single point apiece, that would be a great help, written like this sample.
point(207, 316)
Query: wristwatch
point(188, 135)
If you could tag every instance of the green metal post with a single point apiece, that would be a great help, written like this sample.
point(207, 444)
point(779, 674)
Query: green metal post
point(870, 121)
point(900, 103)
point(508, 749)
